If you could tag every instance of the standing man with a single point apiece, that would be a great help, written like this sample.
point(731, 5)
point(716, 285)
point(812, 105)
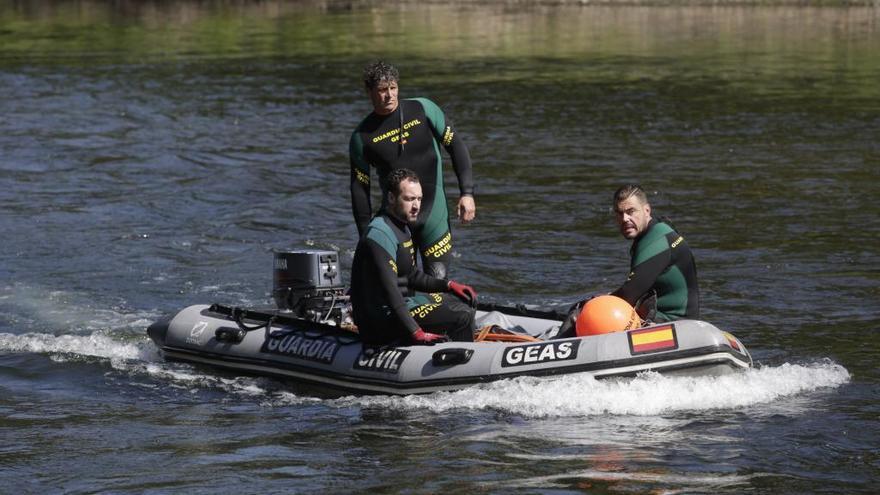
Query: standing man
point(661, 263)
point(409, 134)
point(384, 278)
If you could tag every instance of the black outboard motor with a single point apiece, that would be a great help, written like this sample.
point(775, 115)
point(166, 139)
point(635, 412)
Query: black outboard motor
point(308, 284)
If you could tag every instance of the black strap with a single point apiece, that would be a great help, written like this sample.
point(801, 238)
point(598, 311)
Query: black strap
point(239, 314)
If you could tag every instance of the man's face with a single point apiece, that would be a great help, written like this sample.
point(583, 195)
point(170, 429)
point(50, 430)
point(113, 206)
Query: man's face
point(632, 217)
point(384, 97)
point(406, 205)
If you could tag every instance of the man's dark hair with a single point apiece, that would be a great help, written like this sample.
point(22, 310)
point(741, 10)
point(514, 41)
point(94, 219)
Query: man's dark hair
point(625, 192)
point(378, 72)
point(392, 182)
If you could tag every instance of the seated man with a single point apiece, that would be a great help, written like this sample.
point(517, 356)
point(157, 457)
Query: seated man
point(385, 306)
point(661, 263)
point(662, 282)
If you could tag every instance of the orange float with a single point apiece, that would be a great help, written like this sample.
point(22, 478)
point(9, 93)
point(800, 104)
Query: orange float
point(606, 314)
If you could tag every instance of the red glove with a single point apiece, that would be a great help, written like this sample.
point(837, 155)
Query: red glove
point(464, 292)
point(422, 337)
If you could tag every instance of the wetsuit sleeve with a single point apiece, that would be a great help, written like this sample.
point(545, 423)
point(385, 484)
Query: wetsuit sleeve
point(461, 163)
point(643, 275)
point(453, 144)
point(387, 270)
point(423, 282)
point(360, 184)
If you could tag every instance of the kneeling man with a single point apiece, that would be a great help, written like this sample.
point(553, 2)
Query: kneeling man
point(384, 280)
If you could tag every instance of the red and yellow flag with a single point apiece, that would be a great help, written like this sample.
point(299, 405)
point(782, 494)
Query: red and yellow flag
point(653, 339)
point(732, 341)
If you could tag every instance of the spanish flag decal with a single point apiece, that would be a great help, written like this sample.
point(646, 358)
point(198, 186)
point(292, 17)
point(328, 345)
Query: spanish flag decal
point(732, 341)
point(653, 339)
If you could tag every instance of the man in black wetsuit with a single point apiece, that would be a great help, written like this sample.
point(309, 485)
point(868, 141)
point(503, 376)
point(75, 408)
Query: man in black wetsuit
point(384, 278)
point(409, 134)
point(661, 263)
point(662, 281)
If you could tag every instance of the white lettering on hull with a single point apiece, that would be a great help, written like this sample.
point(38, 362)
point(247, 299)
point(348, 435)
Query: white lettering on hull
point(540, 353)
point(297, 345)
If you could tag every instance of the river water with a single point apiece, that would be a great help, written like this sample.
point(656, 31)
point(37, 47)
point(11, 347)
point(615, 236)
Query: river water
point(153, 154)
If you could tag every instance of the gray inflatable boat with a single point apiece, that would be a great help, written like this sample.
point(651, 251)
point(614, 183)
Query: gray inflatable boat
point(304, 341)
point(280, 344)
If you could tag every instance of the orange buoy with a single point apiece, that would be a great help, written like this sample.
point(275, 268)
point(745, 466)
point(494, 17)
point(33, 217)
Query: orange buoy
point(606, 314)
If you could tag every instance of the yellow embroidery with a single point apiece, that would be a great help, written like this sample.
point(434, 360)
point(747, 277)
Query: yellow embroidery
point(424, 309)
point(362, 177)
point(441, 247)
point(393, 133)
point(447, 136)
point(382, 137)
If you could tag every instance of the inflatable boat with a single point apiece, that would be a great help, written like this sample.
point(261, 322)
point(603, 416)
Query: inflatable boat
point(307, 339)
point(273, 343)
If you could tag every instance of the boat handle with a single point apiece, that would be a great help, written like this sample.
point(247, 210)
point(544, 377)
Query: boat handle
point(452, 357)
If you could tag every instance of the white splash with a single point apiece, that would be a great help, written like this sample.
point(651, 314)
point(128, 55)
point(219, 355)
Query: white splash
point(646, 395)
point(96, 345)
point(118, 337)
point(649, 394)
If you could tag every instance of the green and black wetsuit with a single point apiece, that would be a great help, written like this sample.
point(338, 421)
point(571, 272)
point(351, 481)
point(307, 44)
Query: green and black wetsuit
point(384, 281)
point(662, 261)
point(377, 142)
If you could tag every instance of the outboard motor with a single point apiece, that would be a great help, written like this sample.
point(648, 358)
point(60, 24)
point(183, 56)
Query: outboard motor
point(308, 284)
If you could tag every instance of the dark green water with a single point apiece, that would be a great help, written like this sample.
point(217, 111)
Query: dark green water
point(152, 154)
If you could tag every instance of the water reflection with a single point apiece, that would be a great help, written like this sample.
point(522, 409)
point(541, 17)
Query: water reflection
point(778, 37)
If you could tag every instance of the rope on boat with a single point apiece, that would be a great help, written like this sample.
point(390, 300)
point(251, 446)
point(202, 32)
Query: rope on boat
point(494, 333)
